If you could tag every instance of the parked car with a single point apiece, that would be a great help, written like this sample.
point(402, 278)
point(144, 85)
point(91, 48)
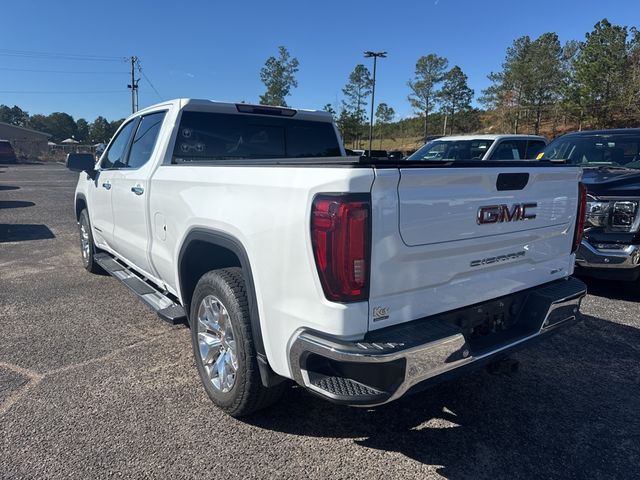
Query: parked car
point(378, 154)
point(7, 155)
point(481, 147)
point(395, 155)
point(610, 248)
point(355, 278)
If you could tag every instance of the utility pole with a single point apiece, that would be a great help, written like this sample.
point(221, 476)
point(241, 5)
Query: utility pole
point(134, 85)
point(375, 55)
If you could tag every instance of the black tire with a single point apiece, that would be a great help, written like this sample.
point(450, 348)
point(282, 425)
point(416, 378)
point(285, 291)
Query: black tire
point(247, 394)
point(88, 257)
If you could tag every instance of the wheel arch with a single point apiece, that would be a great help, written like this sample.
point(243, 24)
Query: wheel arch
point(80, 204)
point(203, 250)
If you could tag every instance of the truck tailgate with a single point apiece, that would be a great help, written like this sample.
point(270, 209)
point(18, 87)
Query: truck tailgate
point(445, 238)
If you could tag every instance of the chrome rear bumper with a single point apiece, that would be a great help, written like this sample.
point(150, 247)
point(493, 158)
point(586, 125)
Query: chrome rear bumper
point(627, 257)
point(387, 363)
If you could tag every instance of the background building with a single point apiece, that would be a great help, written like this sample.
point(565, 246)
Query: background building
point(25, 142)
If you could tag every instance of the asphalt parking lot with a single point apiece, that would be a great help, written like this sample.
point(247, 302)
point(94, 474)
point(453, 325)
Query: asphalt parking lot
point(94, 385)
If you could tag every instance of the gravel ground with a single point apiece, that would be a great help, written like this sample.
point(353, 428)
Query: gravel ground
point(94, 385)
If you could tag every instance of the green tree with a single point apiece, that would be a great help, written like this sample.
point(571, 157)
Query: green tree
point(384, 116)
point(356, 92)
point(61, 126)
point(455, 95)
point(329, 108)
point(278, 75)
point(39, 122)
point(600, 70)
point(99, 130)
point(507, 91)
point(429, 73)
point(348, 125)
point(114, 125)
point(544, 87)
point(14, 115)
point(82, 130)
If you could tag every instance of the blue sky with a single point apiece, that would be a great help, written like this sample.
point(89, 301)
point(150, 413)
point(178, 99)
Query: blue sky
point(212, 49)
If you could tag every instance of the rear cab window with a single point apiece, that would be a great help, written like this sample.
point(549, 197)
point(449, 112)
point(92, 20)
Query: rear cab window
point(211, 136)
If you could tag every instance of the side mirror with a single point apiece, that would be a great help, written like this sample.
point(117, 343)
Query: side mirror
point(81, 162)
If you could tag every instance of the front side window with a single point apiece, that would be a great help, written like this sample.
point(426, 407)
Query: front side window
point(144, 140)
point(206, 136)
point(115, 157)
point(447, 150)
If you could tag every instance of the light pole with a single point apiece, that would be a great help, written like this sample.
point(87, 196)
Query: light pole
point(375, 55)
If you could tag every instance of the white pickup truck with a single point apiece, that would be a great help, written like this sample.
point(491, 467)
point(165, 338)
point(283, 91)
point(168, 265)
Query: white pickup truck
point(358, 279)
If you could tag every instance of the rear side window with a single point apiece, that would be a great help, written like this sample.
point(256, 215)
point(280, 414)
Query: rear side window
point(206, 136)
point(534, 147)
point(144, 140)
point(510, 150)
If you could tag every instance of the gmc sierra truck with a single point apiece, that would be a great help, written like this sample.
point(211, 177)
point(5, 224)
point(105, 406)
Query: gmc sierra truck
point(610, 159)
point(359, 279)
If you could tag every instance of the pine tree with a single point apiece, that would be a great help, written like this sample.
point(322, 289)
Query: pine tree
point(278, 75)
point(356, 91)
point(455, 95)
point(429, 73)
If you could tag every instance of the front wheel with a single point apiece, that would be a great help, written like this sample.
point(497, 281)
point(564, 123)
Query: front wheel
point(87, 246)
point(223, 344)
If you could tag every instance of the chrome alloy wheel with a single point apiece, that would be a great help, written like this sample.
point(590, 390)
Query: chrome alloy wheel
point(85, 244)
point(216, 343)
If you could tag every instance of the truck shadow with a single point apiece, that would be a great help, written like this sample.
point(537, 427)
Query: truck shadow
point(571, 412)
point(15, 204)
point(21, 232)
point(628, 291)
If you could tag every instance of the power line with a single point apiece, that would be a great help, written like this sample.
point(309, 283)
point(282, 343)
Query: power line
point(34, 70)
point(59, 56)
point(29, 92)
point(147, 79)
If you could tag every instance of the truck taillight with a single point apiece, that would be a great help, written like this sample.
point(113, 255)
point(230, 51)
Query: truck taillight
point(340, 235)
point(580, 217)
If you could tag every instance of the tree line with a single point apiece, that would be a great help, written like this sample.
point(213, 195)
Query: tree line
point(61, 125)
point(543, 86)
point(594, 83)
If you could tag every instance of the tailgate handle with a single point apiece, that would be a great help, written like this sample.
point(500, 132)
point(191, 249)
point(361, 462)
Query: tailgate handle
point(512, 181)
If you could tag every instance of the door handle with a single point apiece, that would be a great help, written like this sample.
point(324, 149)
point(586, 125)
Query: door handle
point(107, 185)
point(137, 189)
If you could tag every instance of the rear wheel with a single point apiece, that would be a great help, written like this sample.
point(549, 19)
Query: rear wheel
point(87, 246)
point(223, 344)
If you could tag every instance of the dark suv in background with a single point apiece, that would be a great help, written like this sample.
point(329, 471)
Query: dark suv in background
point(7, 155)
point(610, 247)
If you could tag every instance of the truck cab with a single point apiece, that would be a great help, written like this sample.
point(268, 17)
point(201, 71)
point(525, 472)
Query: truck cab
point(610, 159)
point(356, 277)
point(482, 147)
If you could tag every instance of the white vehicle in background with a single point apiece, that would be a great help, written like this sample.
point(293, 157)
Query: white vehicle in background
point(482, 147)
point(358, 279)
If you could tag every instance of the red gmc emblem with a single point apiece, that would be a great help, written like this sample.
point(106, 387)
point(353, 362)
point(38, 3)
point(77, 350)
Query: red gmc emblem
point(502, 213)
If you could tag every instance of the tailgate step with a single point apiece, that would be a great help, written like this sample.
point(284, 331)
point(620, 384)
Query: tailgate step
point(345, 389)
point(167, 308)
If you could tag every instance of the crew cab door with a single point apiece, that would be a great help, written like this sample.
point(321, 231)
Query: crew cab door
point(101, 190)
point(132, 231)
